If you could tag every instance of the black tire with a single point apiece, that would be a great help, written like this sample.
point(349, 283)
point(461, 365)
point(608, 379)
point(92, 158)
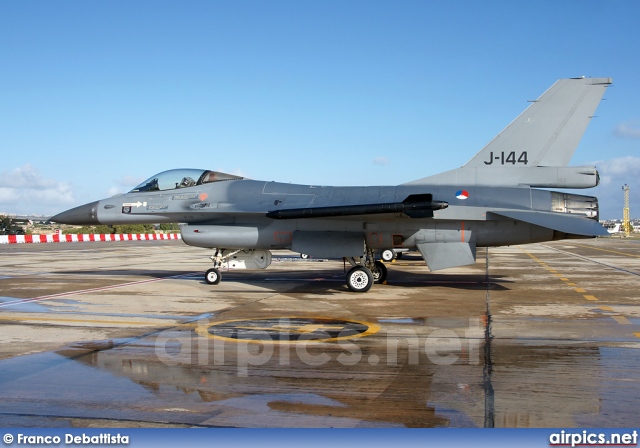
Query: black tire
point(304, 256)
point(387, 255)
point(379, 272)
point(212, 276)
point(359, 279)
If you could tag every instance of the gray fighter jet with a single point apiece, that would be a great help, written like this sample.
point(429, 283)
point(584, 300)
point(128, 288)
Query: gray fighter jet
point(494, 200)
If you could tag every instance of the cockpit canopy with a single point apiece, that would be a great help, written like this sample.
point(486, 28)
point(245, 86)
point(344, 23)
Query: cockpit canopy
point(182, 178)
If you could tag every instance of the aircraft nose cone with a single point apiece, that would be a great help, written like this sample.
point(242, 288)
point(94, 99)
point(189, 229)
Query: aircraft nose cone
point(80, 216)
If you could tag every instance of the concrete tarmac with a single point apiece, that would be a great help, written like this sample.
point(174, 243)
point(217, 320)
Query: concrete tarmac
point(128, 334)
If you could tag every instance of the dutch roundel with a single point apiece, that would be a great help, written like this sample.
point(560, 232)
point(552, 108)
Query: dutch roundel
point(462, 194)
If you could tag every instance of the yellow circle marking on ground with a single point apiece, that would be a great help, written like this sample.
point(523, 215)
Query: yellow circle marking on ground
point(203, 330)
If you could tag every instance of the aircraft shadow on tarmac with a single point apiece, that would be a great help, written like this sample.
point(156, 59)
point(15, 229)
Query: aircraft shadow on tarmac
point(146, 273)
point(325, 281)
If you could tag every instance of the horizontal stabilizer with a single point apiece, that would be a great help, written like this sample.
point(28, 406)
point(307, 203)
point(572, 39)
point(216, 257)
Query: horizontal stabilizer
point(562, 222)
point(412, 204)
point(447, 255)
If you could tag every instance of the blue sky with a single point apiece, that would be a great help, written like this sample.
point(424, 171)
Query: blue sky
point(97, 96)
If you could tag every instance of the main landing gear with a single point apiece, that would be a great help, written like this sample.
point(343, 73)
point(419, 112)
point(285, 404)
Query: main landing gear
point(365, 271)
point(388, 255)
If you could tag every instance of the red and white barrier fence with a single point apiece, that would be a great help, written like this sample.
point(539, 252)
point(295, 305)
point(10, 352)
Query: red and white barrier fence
point(72, 238)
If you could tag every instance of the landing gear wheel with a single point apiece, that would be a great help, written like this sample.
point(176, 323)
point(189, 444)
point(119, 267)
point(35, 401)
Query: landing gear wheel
point(388, 255)
point(212, 276)
point(359, 279)
point(379, 272)
point(304, 256)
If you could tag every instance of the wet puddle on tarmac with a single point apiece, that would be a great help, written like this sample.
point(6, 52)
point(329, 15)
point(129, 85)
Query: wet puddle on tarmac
point(511, 385)
point(402, 320)
point(22, 305)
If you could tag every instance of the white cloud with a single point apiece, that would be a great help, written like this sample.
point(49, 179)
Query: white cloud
point(381, 161)
point(628, 129)
point(25, 190)
point(622, 169)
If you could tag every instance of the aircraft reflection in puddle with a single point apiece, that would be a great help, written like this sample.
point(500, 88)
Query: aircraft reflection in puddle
point(534, 386)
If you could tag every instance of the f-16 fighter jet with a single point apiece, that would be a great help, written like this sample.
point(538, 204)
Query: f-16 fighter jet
point(496, 199)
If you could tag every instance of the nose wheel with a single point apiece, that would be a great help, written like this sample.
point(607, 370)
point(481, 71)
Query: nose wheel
point(212, 276)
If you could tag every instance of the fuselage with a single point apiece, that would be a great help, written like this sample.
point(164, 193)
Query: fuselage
point(232, 213)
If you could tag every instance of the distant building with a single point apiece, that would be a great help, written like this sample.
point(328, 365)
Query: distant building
point(615, 225)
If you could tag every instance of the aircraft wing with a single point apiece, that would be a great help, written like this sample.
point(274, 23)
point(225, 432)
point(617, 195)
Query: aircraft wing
point(562, 222)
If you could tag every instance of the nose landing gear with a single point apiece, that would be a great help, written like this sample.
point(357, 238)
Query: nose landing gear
point(212, 276)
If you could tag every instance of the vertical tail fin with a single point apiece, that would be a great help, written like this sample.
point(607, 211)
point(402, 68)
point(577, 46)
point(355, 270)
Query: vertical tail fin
point(550, 129)
point(535, 149)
